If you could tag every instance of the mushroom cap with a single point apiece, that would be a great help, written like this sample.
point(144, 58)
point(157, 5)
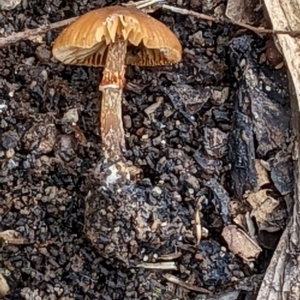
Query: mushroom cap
point(85, 41)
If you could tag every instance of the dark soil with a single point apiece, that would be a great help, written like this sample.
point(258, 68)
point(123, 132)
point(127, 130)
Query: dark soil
point(194, 129)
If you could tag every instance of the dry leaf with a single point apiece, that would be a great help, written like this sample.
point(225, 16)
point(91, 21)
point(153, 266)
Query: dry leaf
point(242, 10)
point(263, 206)
point(240, 243)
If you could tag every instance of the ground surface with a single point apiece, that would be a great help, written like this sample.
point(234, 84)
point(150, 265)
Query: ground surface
point(194, 129)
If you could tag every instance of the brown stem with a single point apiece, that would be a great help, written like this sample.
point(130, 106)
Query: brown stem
point(112, 83)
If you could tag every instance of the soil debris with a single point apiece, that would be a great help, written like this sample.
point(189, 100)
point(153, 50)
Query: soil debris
point(211, 136)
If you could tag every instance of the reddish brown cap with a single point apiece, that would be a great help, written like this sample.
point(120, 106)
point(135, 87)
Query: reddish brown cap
point(84, 42)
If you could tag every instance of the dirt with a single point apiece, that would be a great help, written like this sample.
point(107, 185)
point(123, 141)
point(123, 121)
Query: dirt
point(195, 129)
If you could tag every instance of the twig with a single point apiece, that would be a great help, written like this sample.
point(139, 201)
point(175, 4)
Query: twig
point(188, 286)
point(187, 12)
point(169, 265)
point(34, 34)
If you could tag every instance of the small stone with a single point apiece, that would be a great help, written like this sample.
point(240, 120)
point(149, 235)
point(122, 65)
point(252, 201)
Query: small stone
point(157, 190)
point(12, 164)
point(9, 4)
point(192, 181)
point(29, 61)
point(195, 3)
point(156, 141)
point(198, 38)
point(219, 96)
point(191, 191)
point(44, 75)
point(9, 153)
point(176, 196)
point(43, 53)
point(127, 121)
point(71, 115)
point(145, 258)
point(268, 88)
point(2, 107)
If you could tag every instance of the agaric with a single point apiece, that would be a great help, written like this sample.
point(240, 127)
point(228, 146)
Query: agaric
point(114, 37)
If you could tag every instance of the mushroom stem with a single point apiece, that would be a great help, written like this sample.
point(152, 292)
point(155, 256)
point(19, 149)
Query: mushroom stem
point(111, 86)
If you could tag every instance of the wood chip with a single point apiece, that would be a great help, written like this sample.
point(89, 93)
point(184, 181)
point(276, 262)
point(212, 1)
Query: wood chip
point(263, 206)
point(261, 173)
point(12, 237)
point(240, 243)
point(4, 287)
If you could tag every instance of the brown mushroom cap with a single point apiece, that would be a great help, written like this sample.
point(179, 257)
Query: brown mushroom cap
point(84, 42)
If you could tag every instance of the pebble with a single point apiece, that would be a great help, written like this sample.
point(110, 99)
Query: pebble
point(72, 115)
point(9, 4)
point(127, 121)
point(9, 153)
point(157, 190)
point(43, 53)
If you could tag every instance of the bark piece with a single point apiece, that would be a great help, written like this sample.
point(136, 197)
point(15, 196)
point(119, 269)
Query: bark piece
point(221, 199)
point(282, 279)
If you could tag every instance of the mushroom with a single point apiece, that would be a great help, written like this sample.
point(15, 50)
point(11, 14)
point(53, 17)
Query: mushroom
point(114, 37)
